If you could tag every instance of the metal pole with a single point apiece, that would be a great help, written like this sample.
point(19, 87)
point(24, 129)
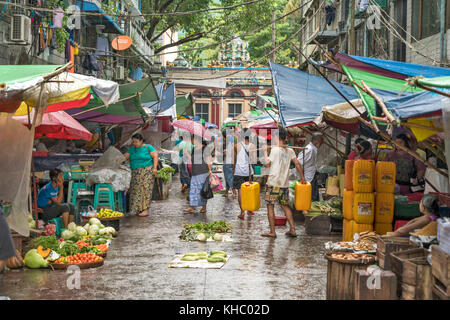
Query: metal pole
point(443, 37)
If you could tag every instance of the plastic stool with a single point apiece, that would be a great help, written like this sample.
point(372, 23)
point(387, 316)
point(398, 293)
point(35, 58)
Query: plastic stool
point(104, 196)
point(120, 195)
point(75, 187)
point(59, 225)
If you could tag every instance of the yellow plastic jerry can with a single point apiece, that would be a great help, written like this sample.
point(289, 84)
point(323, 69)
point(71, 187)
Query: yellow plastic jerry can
point(303, 193)
point(384, 207)
point(250, 196)
point(347, 231)
point(383, 228)
point(363, 180)
point(385, 176)
point(364, 208)
point(347, 204)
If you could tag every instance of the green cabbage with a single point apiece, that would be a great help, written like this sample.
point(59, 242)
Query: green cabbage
point(86, 227)
point(34, 260)
point(95, 221)
point(67, 235)
point(93, 230)
point(81, 231)
point(71, 226)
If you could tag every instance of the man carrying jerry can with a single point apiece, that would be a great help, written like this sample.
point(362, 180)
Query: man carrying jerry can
point(278, 182)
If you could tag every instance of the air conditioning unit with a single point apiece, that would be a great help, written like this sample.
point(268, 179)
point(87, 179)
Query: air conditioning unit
point(119, 73)
point(20, 29)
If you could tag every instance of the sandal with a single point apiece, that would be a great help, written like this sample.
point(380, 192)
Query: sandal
point(241, 216)
point(292, 235)
point(250, 213)
point(189, 210)
point(268, 235)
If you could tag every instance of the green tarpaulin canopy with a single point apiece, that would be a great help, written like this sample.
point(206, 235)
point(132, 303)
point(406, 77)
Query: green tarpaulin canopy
point(12, 74)
point(439, 82)
point(184, 105)
point(268, 99)
point(123, 110)
point(375, 81)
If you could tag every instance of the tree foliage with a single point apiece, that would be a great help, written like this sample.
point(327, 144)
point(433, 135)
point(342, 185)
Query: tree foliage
point(209, 28)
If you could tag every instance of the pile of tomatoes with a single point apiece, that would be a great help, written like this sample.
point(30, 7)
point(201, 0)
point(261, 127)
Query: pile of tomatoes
point(79, 258)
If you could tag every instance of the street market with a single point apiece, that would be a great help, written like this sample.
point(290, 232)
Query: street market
point(335, 175)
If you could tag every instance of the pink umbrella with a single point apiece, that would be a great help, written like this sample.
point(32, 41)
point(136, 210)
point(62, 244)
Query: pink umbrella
point(58, 125)
point(192, 127)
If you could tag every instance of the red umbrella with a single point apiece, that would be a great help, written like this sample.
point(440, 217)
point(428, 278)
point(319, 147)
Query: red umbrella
point(58, 125)
point(192, 127)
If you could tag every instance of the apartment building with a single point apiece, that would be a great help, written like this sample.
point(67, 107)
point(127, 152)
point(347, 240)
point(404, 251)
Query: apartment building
point(32, 36)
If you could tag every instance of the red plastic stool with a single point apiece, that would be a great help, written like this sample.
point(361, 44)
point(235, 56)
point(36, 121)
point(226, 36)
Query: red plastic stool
point(400, 223)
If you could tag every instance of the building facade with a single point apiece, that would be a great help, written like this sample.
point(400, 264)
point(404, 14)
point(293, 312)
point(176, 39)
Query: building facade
point(219, 92)
point(74, 30)
point(413, 31)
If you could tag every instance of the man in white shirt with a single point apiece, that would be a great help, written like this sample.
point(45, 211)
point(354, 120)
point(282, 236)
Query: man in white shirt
point(308, 159)
point(245, 156)
point(278, 183)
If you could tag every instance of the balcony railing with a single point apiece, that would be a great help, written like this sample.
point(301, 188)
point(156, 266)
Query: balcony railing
point(140, 41)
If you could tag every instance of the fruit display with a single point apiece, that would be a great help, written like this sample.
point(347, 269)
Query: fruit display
point(108, 213)
point(204, 231)
point(79, 258)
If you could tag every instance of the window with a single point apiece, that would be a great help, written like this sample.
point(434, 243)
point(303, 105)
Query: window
point(426, 18)
point(234, 109)
point(202, 110)
point(235, 94)
point(202, 94)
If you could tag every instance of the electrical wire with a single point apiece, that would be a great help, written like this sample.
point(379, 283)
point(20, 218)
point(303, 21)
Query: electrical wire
point(263, 57)
point(203, 47)
point(181, 13)
point(398, 36)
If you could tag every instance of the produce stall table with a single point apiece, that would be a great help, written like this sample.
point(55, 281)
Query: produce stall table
point(55, 160)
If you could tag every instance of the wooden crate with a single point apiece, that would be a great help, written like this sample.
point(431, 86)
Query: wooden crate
point(440, 291)
point(441, 264)
point(17, 240)
point(387, 289)
point(397, 258)
point(341, 278)
point(388, 245)
point(416, 279)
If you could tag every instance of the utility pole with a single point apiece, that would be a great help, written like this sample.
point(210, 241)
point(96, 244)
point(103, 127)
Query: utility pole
point(351, 47)
point(273, 35)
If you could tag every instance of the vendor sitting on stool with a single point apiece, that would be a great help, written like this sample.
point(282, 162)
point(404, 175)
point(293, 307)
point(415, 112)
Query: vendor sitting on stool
point(430, 209)
point(50, 200)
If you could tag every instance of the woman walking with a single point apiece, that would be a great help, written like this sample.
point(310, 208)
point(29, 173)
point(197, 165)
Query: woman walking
point(144, 162)
point(201, 170)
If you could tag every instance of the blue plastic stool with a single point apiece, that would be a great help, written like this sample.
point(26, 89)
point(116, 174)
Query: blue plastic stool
point(104, 196)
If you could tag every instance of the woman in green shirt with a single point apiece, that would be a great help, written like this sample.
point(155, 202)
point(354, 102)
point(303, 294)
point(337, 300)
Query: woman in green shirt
point(143, 162)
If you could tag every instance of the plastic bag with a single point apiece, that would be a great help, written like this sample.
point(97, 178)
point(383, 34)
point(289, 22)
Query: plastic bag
point(214, 181)
point(111, 159)
point(206, 191)
point(219, 186)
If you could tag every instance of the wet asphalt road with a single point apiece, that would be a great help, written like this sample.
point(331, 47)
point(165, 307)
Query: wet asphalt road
point(137, 263)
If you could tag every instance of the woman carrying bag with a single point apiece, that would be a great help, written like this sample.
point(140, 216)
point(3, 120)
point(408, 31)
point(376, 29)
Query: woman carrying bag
point(201, 171)
point(143, 162)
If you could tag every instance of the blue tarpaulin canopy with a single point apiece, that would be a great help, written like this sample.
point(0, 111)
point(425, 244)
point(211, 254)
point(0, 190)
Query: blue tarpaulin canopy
point(409, 69)
point(104, 19)
point(167, 100)
point(412, 105)
point(300, 95)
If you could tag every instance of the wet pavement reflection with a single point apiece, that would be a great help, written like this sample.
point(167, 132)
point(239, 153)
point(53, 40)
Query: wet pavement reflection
point(137, 263)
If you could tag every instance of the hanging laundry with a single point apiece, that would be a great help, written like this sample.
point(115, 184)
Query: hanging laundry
point(41, 39)
point(137, 74)
point(67, 51)
point(58, 18)
point(330, 14)
point(102, 46)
